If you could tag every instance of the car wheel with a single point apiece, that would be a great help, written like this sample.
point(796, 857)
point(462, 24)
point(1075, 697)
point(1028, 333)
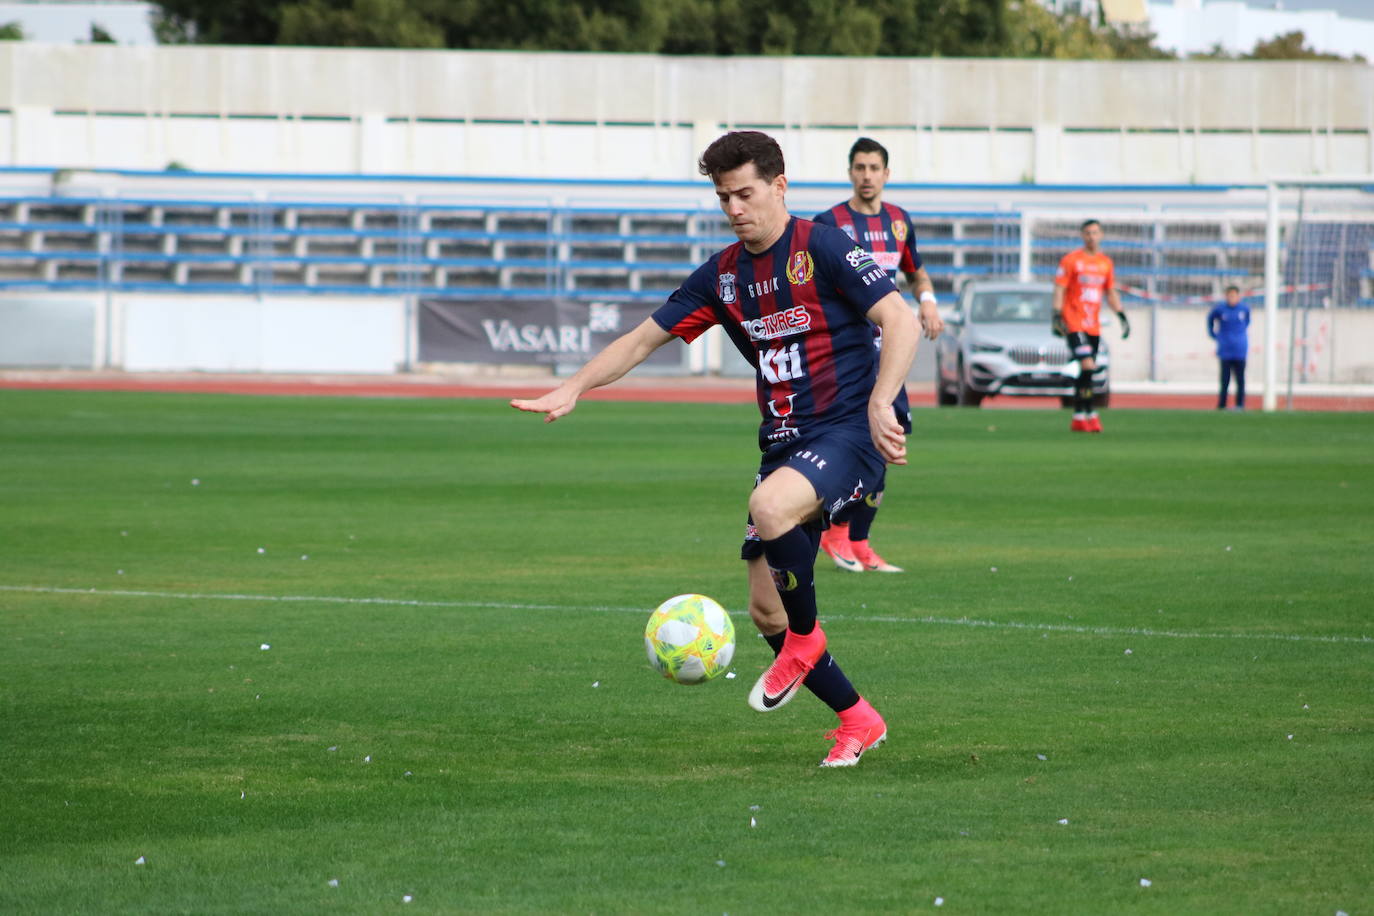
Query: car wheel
point(944, 397)
point(967, 397)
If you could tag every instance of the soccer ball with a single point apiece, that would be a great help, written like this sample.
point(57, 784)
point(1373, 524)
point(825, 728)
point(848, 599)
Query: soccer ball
point(690, 639)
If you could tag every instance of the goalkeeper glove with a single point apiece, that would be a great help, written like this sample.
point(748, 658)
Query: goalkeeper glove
point(1125, 325)
point(1057, 325)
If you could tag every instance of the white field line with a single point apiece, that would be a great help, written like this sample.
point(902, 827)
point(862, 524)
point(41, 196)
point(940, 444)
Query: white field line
point(1146, 632)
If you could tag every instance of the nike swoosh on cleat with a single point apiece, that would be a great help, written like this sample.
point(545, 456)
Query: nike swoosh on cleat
point(770, 702)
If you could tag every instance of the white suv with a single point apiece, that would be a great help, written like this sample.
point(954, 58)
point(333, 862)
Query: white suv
point(998, 341)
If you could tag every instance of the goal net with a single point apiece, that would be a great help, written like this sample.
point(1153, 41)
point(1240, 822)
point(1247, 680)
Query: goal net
point(1318, 285)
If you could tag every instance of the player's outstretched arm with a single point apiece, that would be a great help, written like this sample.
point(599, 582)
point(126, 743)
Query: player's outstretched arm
point(620, 356)
point(900, 336)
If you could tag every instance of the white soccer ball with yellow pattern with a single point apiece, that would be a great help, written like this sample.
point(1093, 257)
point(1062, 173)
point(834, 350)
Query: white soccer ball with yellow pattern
point(690, 639)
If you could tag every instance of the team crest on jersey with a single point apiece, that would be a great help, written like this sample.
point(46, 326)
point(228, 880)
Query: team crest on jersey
point(727, 288)
point(899, 230)
point(800, 268)
point(849, 231)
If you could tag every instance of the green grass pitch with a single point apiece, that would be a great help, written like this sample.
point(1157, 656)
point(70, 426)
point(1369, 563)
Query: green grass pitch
point(1144, 655)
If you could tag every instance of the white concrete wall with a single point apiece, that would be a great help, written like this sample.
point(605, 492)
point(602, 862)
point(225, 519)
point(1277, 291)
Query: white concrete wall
point(640, 116)
point(157, 333)
point(154, 332)
point(1339, 346)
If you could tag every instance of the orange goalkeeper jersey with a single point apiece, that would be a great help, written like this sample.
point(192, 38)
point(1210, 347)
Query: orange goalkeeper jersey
point(1086, 279)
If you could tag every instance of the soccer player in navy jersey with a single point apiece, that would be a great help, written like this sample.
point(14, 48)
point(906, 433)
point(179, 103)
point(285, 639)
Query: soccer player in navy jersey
point(885, 230)
point(799, 301)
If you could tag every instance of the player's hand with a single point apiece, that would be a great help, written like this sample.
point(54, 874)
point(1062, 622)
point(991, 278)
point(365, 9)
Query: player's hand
point(887, 433)
point(1125, 325)
point(555, 404)
point(931, 322)
point(1057, 326)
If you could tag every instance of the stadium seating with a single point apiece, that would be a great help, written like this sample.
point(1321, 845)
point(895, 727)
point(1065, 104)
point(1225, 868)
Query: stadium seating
point(361, 247)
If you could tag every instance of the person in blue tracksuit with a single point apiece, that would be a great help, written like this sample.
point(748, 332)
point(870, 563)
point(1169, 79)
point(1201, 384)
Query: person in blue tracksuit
point(1228, 324)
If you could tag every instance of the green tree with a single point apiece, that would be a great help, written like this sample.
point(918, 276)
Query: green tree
point(1037, 32)
point(1129, 44)
point(99, 36)
point(1215, 52)
point(905, 28)
point(1288, 46)
point(553, 25)
point(11, 31)
point(227, 22)
point(359, 24)
point(945, 28)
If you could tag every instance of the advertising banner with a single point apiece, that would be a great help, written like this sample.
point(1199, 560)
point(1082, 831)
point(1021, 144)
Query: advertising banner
point(532, 332)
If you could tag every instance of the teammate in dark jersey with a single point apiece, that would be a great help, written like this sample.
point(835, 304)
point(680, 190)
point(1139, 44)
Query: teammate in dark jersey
point(798, 300)
point(885, 230)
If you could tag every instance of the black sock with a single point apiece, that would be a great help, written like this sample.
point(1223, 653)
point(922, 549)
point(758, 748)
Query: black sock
point(861, 517)
point(1083, 403)
point(792, 560)
point(826, 680)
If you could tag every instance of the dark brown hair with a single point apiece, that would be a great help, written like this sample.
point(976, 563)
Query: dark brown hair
point(739, 148)
point(865, 145)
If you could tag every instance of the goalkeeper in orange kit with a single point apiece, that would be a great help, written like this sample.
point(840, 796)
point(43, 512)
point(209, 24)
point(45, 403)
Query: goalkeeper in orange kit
point(1083, 280)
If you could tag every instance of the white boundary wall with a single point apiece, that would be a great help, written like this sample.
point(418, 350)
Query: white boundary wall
point(641, 116)
point(155, 332)
point(150, 332)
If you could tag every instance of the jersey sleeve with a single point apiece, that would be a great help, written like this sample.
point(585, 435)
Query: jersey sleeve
point(850, 269)
point(1110, 283)
point(691, 309)
point(911, 258)
point(1212, 317)
point(1065, 271)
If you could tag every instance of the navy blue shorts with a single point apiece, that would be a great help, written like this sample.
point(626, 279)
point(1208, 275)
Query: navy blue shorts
point(842, 464)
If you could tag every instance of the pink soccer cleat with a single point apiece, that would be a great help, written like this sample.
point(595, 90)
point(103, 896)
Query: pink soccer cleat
point(835, 542)
point(861, 729)
point(870, 560)
point(779, 684)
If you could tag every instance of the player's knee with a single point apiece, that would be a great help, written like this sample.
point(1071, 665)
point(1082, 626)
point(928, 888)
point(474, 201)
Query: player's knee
point(771, 514)
point(1087, 363)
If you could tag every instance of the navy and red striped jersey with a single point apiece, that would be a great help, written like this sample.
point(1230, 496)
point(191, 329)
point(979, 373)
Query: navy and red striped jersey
point(797, 313)
point(888, 234)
